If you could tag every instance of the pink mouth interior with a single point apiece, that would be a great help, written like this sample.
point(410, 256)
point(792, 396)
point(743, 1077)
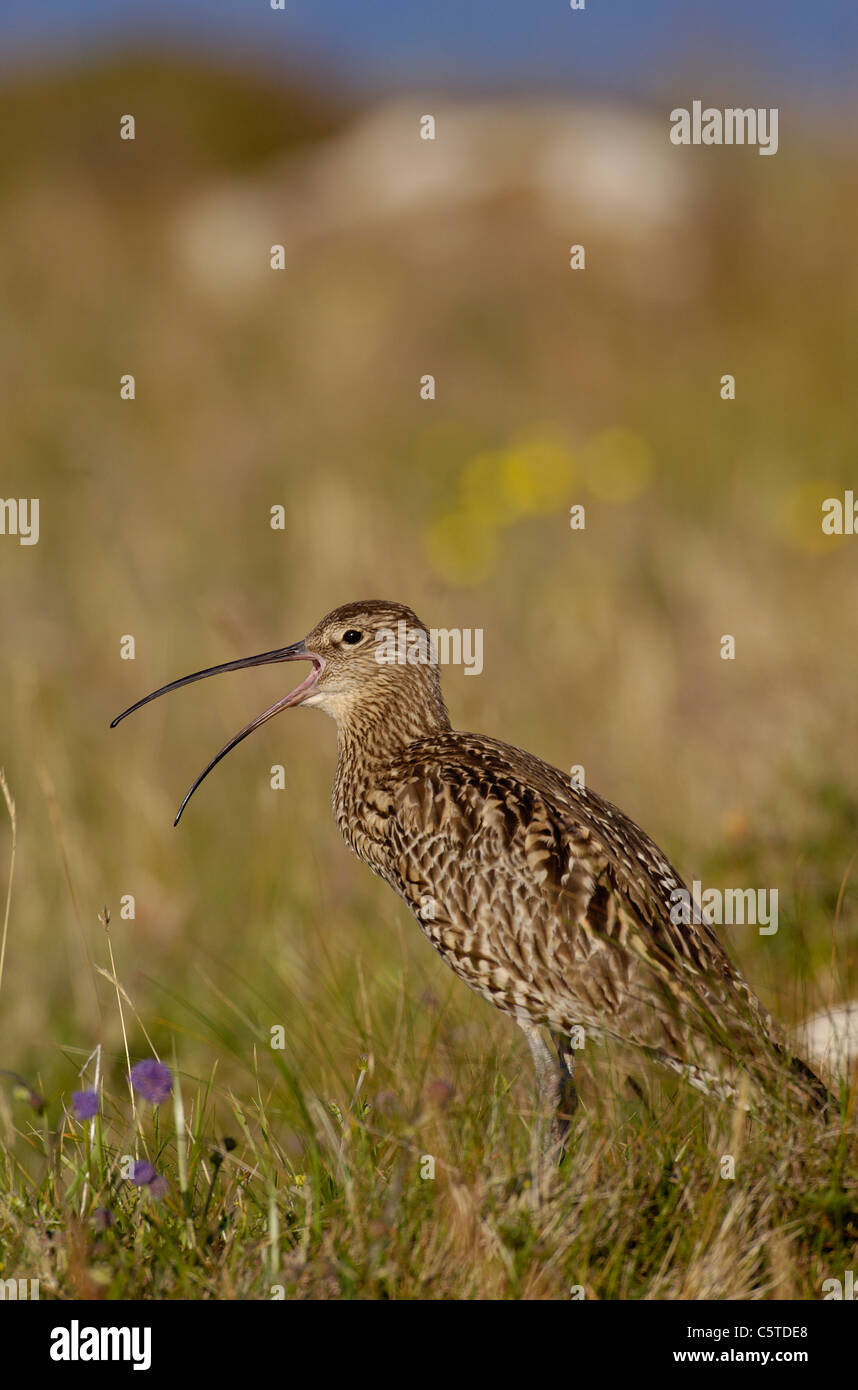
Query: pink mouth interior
point(300, 693)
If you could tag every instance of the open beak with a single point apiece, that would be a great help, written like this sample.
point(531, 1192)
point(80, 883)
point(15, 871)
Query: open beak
point(297, 652)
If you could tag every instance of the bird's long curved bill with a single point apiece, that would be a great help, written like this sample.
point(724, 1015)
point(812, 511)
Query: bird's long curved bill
point(297, 652)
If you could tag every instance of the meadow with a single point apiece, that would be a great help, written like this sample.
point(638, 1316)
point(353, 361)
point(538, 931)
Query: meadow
point(301, 1168)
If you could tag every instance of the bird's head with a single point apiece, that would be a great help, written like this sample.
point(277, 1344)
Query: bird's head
point(373, 669)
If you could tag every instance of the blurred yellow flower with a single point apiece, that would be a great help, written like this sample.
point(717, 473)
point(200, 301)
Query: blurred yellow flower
point(483, 490)
point(496, 488)
point(537, 475)
point(530, 478)
point(617, 464)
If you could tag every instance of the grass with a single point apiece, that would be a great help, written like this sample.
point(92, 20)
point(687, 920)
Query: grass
point(398, 1161)
point(410, 1176)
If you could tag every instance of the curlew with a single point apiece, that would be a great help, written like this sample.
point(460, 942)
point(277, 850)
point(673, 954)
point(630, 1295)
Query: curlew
point(544, 898)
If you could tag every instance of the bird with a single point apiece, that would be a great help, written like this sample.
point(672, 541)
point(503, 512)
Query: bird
point(543, 897)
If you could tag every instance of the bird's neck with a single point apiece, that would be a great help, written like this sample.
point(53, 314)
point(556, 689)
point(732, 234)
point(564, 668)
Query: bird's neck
point(370, 740)
point(373, 735)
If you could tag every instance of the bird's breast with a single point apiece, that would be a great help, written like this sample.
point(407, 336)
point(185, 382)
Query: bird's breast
point(363, 813)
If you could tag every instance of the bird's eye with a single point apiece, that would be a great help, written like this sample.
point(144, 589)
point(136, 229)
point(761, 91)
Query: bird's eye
point(352, 636)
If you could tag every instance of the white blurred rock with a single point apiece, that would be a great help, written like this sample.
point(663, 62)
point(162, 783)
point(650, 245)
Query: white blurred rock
point(617, 164)
point(830, 1039)
point(596, 173)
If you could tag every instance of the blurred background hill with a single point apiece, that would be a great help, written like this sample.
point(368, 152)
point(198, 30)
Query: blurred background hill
point(256, 388)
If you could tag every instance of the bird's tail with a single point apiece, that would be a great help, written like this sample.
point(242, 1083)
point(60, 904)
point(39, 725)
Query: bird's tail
point(804, 1083)
point(760, 1082)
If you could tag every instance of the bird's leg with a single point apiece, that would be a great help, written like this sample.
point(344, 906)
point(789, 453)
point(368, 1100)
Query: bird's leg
point(567, 1099)
point(556, 1098)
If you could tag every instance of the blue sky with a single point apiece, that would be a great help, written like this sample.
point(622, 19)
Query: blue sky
point(811, 45)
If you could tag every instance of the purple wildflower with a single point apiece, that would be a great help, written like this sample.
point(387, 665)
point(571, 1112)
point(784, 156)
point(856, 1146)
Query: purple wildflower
point(144, 1175)
point(142, 1172)
point(152, 1080)
point(439, 1093)
point(85, 1104)
point(103, 1218)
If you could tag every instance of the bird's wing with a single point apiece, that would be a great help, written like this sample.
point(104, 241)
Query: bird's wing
point(554, 905)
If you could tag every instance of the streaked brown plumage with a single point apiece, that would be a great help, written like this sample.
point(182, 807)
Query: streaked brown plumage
point(540, 895)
